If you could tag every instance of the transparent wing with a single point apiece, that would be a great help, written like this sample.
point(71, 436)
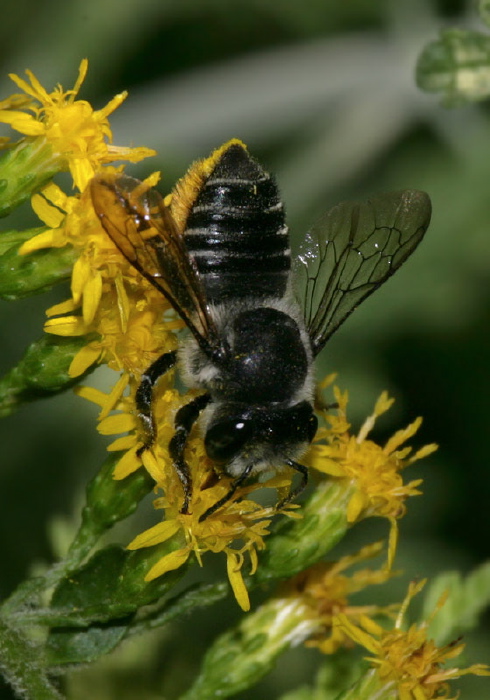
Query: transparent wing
point(141, 226)
point(352, 251)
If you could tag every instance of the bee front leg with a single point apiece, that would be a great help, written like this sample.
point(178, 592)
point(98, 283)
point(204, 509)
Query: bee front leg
point(144, 396)
point(301, 486)
point(184, 420)
point(234, 486)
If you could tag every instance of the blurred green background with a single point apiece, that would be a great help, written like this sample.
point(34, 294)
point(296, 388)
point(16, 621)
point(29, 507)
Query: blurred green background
point(324, 95)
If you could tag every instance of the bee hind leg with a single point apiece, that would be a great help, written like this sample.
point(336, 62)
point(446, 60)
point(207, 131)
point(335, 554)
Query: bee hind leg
point(144, 396)
point(184, 420)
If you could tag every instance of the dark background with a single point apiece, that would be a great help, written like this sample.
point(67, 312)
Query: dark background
point(323, 93)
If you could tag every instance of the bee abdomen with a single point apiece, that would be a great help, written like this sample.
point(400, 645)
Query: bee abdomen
point(236, 231)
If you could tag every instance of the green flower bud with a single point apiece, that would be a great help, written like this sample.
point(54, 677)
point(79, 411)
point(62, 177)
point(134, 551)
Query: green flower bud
point(24, 275)
point(297, 544)
point(241, 657)
point(24, 169)
point(42, 371)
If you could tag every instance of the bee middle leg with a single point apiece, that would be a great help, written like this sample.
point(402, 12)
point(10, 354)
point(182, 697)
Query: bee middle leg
point(184, 420)
point(144, 395)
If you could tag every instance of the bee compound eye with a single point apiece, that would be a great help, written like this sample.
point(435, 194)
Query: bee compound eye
point(312, 427)
point(224, 440)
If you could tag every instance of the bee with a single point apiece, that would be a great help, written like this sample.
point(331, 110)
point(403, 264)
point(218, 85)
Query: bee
point(226, 269)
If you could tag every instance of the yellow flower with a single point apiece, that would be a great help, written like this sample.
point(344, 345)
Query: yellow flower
point(373, 470)
point(409, 659)
point(79, 136)
point(237, 529)
point(119, 307)
point(118, 311)
point(324, 590)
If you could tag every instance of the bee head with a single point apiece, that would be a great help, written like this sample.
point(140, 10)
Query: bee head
point(258, 434)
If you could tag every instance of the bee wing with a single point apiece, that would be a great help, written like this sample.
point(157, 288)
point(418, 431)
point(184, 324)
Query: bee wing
point(141, 226)
point(352, 251)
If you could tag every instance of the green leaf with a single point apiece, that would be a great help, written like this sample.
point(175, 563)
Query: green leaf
point(104, 595)
point(72, 646)
point(468, 598)
point(195, 597)
point(457, 66)
point(110, 500)
point(21, 663)
point(43, 371)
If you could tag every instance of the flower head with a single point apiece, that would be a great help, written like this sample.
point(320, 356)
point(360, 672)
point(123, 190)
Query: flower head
point(237, 529)
point(324, 590)
point(408, 658)
point(375, 471)
point(79, 136)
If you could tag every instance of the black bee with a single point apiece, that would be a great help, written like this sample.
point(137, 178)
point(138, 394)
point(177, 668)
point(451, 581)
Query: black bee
point(252, 345)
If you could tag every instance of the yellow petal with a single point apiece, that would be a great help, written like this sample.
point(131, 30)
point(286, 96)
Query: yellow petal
point(125, 442)
point(355, 633)
point(65, 307)
point(82, 171)
point(123, 303)
point(383, 404)
point(392, 543)
point(91, 297)
point(92, 394)
point(325, 464)
point(128, 464)
point(115, 395)
point(355, 507)
point(156, 535)
point(35, 89)
point(82, 72)
point(169, 563)
point(84, 359)
point(120, 423)
point(424, 451)
point(66, 326)
point(56, 196)
point(80, 277)
point(154, 467)
point(112, 105)
point(48, 213)
point(236, 580)
point(402, 436)
point(24, 123)
point(45, 239)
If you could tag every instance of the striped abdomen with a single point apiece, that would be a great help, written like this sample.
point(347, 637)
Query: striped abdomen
point(236, 231)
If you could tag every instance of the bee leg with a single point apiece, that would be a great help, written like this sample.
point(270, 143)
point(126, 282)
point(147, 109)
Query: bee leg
point(144, 395)
point(302, 485)
point(320, 404)
point(234, 485)
point(184, 420)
